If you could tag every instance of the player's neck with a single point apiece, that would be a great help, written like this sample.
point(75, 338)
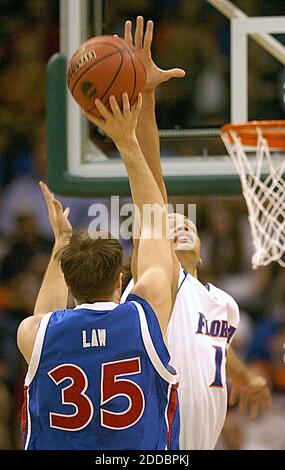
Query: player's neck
point(187, 264)
point(192, 271)
point(114, 298)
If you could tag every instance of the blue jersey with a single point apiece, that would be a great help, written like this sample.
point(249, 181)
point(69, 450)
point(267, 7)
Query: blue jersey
point(99, 379)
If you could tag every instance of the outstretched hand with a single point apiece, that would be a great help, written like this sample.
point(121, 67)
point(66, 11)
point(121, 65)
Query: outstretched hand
point(253, 397)
point(142, 43)
point(119, 125)
point(58, 217)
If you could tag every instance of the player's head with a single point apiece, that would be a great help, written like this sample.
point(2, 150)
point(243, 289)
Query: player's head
point(92, 267)
point(186, 241)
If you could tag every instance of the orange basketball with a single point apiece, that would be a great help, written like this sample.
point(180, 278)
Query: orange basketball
point(104, 66)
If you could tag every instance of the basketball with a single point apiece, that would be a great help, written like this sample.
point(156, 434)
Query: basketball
point(105, 66)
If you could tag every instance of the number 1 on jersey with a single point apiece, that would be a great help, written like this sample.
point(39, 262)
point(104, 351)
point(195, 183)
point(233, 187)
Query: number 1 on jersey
point(218, 362)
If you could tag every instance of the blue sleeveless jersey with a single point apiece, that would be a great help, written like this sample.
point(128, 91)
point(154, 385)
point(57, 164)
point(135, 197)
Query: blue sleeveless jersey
point(99, 379)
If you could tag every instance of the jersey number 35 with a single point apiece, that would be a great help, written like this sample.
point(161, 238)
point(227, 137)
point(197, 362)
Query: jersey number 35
point(112, 385)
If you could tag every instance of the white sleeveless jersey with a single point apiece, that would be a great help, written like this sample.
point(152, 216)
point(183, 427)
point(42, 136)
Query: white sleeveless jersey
point(202, 324)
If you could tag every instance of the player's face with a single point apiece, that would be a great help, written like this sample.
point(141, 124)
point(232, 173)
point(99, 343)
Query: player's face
point(184, 232)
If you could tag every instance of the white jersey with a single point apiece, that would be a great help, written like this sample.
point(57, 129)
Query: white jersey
point(202, 324)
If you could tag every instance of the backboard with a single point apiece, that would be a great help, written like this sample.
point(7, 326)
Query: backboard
point(83, 162)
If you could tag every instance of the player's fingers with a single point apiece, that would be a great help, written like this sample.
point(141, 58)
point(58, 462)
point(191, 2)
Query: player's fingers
point(243, 403)
point(126, 104)
point(234, 393)
point(46, 192)
point(138, 105)
point(254, 407)
point(174, 73)
point(115, 107)
point(66, 212)
point(267, 400)
point(58, 207)
point(139, 32)
point(49, 197)
point(102, 109)
point(99, 122)
point(148, 36)
point(128, 33)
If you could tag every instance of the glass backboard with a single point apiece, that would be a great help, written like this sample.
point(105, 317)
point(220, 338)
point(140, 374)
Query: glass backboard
point(190, 112)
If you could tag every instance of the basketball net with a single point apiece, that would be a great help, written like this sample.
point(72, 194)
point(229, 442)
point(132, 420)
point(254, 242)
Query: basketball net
point(265, 196)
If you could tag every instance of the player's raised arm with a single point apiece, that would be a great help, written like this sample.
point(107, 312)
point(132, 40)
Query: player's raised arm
point(53, 292)
point(54, 280)
point(147, 131)
point(155, 265)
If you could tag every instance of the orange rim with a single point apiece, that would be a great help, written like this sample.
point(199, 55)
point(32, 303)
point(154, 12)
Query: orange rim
point(273, 131)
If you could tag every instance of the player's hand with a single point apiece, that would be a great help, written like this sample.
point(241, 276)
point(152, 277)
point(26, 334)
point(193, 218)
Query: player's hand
point(142, 44)
point(58, 217)
point(254, 396)
point(119, 125)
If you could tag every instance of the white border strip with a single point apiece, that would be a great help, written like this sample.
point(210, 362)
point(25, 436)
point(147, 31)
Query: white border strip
point(149, 346)
point(127, 291)
point(29, 426)
point(167, 407)
point(37, 350)
point(101, 306)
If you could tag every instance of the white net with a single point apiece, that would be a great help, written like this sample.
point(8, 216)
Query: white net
point(263, 187)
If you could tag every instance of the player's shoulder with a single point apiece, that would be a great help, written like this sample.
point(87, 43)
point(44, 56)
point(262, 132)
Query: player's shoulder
point(227, 299)
point(29, 323)
point(26, 335)
point(220, 293)
point(216, 293)
point(133, 299)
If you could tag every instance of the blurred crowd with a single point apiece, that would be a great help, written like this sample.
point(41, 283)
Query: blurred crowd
point(196, 38)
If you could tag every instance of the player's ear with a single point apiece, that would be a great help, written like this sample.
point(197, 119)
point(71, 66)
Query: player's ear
point(119, 281)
